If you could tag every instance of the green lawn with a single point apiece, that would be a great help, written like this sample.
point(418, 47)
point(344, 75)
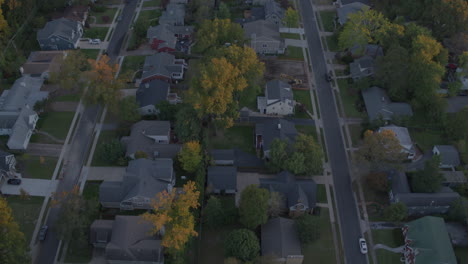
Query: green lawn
point(355, 133)
point(426, 139)
point(132, 63)
point(308, 130)
point(377, 202)
point(96, 33)
point(322, 250)
point(290, 35)
point(68, 98)
point(26, 213)
point(461, 254)
point(332, 43)
point(151, 15)
point(90, 53)
point(321, 193)
point(349, 97)
point(55, 123)
point(37, 167)
point(391, 238)
point(292, 53)
point(328, 19)
point(101, 17)
point(105, 136)
point(303, 97)
point(151, 3)
point(235, 137)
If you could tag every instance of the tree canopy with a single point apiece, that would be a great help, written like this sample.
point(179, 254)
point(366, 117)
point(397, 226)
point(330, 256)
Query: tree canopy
point(70, 74)
point(214, 215)
point(291, 18)
point(253, 206)
point(13, 249)
point(128, 109)
point(191, 156)
point(188, 125)
point(380, 149)
point(396, 212)
point(308, 228)
point(217, 32)
point(429, 179)
point(242, 244)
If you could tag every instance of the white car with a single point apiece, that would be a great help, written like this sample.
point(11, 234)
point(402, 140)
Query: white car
point(94, 41)
point(363, 245)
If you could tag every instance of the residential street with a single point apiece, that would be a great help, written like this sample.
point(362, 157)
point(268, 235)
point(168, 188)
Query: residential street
point(347, 209)
point(78, 149)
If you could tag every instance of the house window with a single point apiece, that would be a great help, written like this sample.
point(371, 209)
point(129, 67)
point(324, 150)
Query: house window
point(264, 45)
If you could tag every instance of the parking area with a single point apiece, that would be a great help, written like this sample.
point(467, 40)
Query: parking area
point(105, 173)
point(84, 44)
point(34, 187)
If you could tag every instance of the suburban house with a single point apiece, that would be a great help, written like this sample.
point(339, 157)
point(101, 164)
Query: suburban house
point(362, 67)
point(17, 119)
point(222, 179)
point(182, 32)
point(453, 178)
point(161, 38)
point(274, 12)
point(163, 66)
point(42, 63)
point(60, 34)
point(236, 157)
point(143, 179)
point(371, 50)
point(463, 73)
point(173, 15)
point(299, 195)
point(280, 239)
point(278, 99)
point(271, 128)
point(427, 241)
point(347, 9)
point(151, 93)
point(151, 137)
point(78, 13)
point(127, 240)
point(264, 37)
point(7, 166)
point(419, 203)
point(449, 157)
point(378, 105)
point(403, 136)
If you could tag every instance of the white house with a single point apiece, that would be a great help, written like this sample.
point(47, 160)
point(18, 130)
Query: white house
point(278, 99)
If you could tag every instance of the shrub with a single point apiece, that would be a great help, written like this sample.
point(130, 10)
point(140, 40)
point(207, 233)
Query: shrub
point(242, 244)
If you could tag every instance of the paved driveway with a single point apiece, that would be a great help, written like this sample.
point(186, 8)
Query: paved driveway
point(295, 43)
point(106, 173)
point(35, 187)
point(84, 44)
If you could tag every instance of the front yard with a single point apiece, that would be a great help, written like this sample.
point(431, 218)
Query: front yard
point(132, 64)
point(96, 33)
point(290, 35)
point(292, 53)
point(149, 15)
point(36, 167)
point(389, 237)
point(303, 97)
point(105, 17)
point(104, 137)
point(241, 137)
point(90, 53)
point(349, 97)
point(26, 213)
point(56, 124)
point(308, 130)
point(323, 249)
point(332, 42)
point(152, 3)
point(328, 20)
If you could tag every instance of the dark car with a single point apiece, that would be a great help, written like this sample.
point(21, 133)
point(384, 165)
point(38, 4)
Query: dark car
point(14, 181)
point(328, 77)
point(43, 233)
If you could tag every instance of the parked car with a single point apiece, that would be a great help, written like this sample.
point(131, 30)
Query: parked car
point(119, 18)
point(14, 181)
point(94, 41)
point(43, 233)
point(363, 245)
point(328, 77)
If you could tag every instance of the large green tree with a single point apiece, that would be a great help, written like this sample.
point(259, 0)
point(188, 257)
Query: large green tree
point(191, 156)
point(308, 228)
point(218, 32)
point(291, 18)
point(429, 179)
point(396, 212)
point(253, 206)
point(242, 244)
point(70, 74)
point(457, 125)
point(187, 125)
point(213, 212)
point(128, 109)
point(13, 249)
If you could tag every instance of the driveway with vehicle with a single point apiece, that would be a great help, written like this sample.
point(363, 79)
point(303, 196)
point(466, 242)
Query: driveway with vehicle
point(35, 187)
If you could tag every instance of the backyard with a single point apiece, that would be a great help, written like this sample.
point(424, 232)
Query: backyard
point(56, 124)
point(238, 136)
point(389, 237)
point(328, 20)
point(323, 249)
point(426, 138)
point(349, 98)
point(96, 33)
point(26, 213)
point(36, 167)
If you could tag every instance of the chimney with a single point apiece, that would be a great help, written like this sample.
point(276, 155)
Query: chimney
point(146, 85)
point(279, 126)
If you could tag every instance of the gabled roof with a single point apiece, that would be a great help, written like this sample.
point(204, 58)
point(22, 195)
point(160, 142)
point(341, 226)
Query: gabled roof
point(131, 241)
point(152, 93)
point(3, 160)
point(162, 32)
point(348, 9)
point(430, 238)
point(25, 91)
point(457, 177)
point(378, 104)
point(271, 128)
point(222, 177)
point(143, 178)
point(402, 134)
point(239, 157)
point(279, 238)
point(173, 13)
point(273, 8)
point(22, 129)
point(160, 64)
point(43, 61)
point(62, 27)
point(448, 155)
point(223, 154)
point(294, 191)
point(278, 90)
point(262, 29)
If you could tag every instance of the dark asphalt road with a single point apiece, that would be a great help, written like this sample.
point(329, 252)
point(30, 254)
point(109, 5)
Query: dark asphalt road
point(77, 152)
point(347, 210)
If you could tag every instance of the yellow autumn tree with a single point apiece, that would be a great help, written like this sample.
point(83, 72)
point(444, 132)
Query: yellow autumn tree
point(381, 149)
point(104, 88)
point(4, 28)
point(191, 156)
point(171, 210)
point(12, 242)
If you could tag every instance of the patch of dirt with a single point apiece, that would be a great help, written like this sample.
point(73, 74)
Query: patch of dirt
point(274, 68)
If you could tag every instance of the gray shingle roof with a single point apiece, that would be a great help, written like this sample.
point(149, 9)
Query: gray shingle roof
point(172, 14)
point(278, 90)
point(152, 93)
point(240, 158)
point(279, 238)
point(162, 32)
point(448, 155)
point(42, 61)
point(262, 29)
point(403, 136)
point(222, 177)
point(272, 128)
point(62, 27)
point(160, 64)
point(25, 91)
point(346, 10)
point(273, 8)
point(22, 129)
point(362, 67)
point(378, 104)
point(455, 177)
point(223, 154)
